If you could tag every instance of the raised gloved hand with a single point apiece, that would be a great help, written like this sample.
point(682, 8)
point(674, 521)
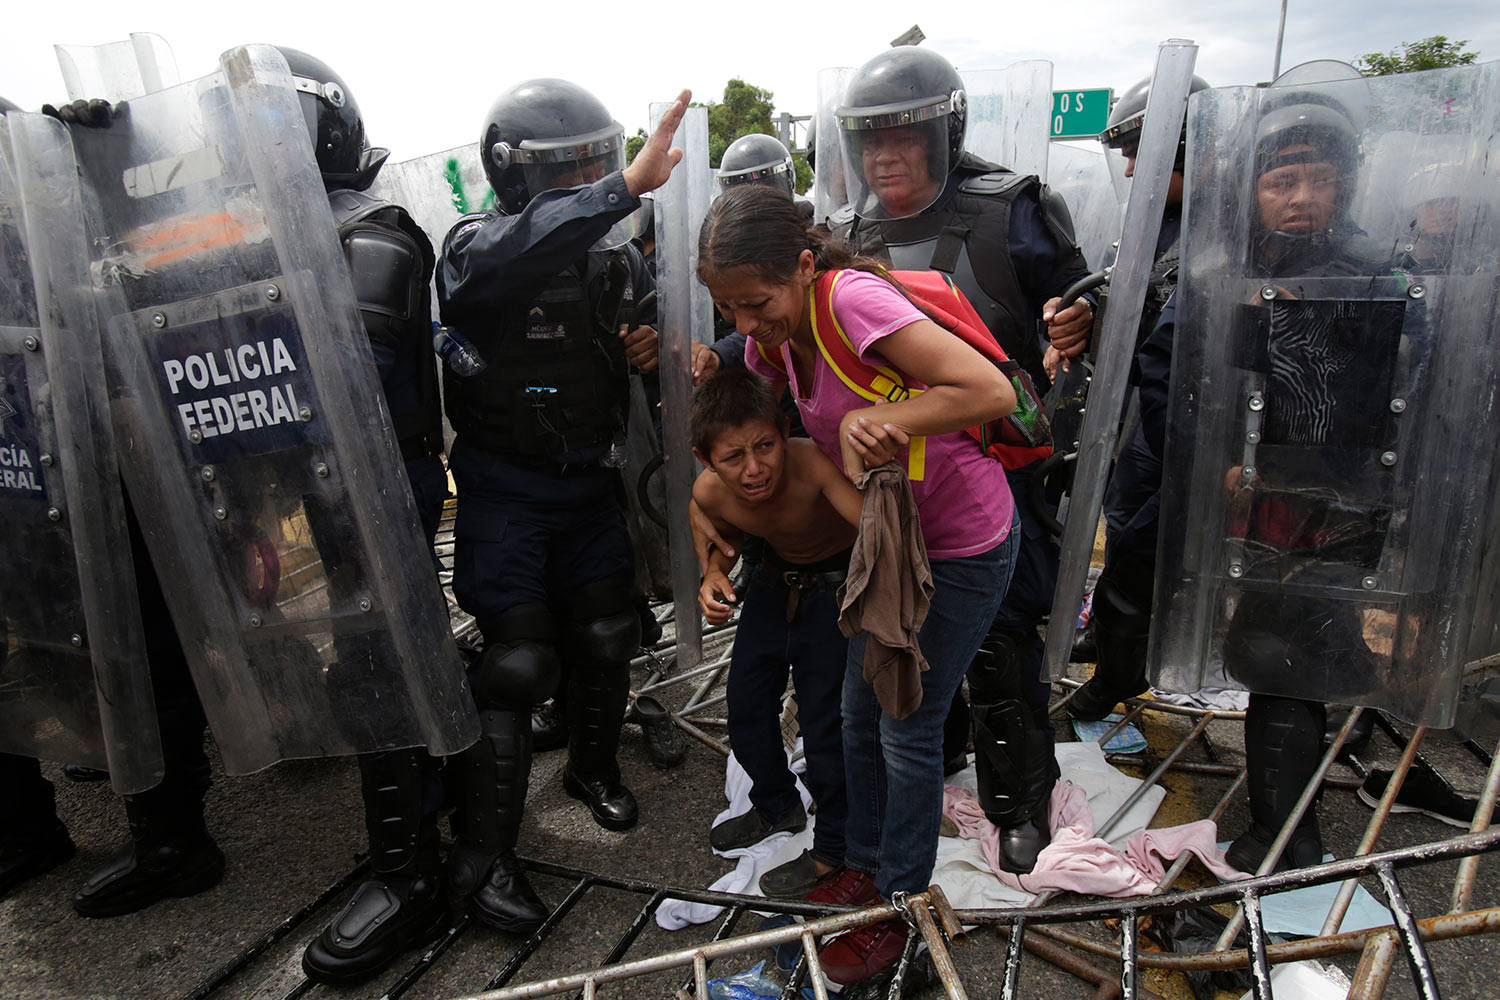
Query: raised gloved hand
point(93, 113)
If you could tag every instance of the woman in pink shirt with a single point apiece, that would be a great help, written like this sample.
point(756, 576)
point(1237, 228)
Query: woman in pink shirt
point(760, 260)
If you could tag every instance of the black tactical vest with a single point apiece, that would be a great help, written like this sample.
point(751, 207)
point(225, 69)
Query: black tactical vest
point(967, 236)
point(390, 263)
point(556, 378)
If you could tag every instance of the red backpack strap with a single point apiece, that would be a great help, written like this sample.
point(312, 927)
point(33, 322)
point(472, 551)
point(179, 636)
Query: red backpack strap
point(873, 382)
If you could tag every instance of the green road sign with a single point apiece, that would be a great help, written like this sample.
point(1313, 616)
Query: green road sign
point(1079, 114)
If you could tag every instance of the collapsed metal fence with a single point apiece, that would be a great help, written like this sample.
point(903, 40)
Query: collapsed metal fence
point(1075, 937)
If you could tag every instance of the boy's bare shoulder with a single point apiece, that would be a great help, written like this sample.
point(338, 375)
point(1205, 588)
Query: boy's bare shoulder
point(708, 490)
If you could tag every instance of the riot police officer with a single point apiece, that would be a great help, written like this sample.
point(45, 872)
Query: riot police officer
point(1122, 596)
point(919, 200)
point(390, 262)
point(543, 559)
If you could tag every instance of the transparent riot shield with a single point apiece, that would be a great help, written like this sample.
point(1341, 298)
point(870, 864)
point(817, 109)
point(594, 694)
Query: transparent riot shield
point(74, 681)
point(1116, 338)
point(686, 312)
point(118, 71)
point(1010, 115)
point(262, 460)
point(1329, 491)
point(1080, 174)
point(830, 192)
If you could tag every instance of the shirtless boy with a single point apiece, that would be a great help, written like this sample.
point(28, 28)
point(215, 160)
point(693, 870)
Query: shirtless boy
point(785, 491)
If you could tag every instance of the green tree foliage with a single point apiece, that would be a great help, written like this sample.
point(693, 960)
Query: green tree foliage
point(1435, 52)
point(746, 109)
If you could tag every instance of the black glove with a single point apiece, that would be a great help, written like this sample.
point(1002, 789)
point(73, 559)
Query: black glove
point(93, 113)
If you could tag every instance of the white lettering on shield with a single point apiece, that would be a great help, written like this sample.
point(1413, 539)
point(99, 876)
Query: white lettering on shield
point(272, 404)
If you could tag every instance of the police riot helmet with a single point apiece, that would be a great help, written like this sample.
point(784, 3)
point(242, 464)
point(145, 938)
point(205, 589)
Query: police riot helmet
point(345, 157)
point(547, 133)
point(1306, 128)
point(905, 99)
point(757, 159)
point(1129, 113)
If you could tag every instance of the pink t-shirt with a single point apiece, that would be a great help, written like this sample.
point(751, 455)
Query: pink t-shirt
point(961, 494)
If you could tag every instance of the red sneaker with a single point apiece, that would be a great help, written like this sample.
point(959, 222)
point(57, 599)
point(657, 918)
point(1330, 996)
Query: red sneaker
point(845, 887)
point(863, 952)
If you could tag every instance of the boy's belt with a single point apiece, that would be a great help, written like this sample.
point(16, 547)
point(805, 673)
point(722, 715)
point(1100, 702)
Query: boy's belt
point(799, 580)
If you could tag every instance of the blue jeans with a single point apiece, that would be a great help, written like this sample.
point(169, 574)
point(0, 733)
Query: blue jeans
point(894, 767)
point(811, 644)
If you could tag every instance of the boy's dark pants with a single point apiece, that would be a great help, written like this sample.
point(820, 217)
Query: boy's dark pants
point(766, 644)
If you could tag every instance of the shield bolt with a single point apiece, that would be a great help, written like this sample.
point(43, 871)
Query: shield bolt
point(159, 320)
point(77, 640)
point(1248, 472)
point(1236, 570)
point(195, 436)
point(365, 604)
point(1398, 405)
point(322, 470)
point(47, 459)
point(208, 473)
point(255, 620)
point(1388, 458)
point(1369, 583)
point(1257, 402)
point(31, 343)
point(220, 513)
point(304, 413)
point(1252, 437)
point(273, 293)
point(1417, 291)
point(1268, 292)
point(53, 514)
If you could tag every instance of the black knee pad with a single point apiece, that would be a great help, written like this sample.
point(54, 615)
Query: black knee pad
point(516, 674)
point(605, 628)
point(519, 666)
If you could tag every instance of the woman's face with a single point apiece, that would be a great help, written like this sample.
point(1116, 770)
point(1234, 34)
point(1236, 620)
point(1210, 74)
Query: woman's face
point(760, 308)
point(1299, 197)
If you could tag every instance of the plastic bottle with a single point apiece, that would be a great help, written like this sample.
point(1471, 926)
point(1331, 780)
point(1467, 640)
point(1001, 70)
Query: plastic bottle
point(457, 353)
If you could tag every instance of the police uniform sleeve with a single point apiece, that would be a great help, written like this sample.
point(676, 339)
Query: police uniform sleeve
point(1042, 251)
point(491, 259)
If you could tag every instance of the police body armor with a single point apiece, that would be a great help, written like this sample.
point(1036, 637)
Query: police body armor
point(556, 375)
point(968, 235)
point(390, 262)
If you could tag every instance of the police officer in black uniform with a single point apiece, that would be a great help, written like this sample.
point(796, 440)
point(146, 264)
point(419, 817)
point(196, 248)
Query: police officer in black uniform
point(920, 201)
point(543, 559)
point(390, 263)
point(1122, 596)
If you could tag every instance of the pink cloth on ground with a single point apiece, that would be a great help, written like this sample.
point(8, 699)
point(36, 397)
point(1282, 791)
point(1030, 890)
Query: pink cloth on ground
point(963, 498)
point(1078, 861)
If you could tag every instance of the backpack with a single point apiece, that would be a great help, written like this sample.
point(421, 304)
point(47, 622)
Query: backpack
point(1015, 441)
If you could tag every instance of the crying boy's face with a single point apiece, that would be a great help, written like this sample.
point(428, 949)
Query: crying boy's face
point(749, 459)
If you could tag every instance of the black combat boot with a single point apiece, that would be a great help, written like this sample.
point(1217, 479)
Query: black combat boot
point(1283, 745)
point(596, 710)
point(405, 904)
point(1013, 760)
point(489, 782)
point(33, 840)
point(169, 854)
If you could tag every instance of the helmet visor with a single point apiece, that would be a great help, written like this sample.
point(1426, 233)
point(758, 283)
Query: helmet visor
point(895, 163)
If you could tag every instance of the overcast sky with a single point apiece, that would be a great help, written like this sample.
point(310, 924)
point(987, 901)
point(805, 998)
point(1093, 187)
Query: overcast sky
point(424, 79)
